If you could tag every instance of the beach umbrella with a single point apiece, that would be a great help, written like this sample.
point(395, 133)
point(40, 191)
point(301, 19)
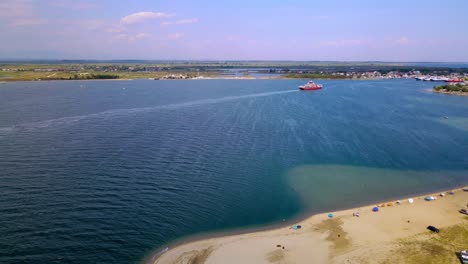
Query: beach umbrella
point(428, 198)
point(410, 200)
point(330, 215)
point(375, 209)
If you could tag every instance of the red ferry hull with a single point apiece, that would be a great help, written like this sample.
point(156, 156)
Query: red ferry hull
point(310, 89)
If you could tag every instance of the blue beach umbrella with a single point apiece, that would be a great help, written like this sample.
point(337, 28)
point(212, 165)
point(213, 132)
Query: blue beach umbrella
point(330, 215)
point(375, 209)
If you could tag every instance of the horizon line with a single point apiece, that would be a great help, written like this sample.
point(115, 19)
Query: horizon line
point(221, 60)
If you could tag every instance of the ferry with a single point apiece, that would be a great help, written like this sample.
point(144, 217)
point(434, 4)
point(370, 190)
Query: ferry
point(437, 79)
point(310, 86)
point(454, 81)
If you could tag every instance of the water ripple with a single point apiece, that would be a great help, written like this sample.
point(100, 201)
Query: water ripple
point(65, 121)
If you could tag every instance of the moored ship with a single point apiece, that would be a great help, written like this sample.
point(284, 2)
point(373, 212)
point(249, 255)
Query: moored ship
point(310, 86)
point(454, 80)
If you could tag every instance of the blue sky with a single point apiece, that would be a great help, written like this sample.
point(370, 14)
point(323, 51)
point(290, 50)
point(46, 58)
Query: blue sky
point(235, 30)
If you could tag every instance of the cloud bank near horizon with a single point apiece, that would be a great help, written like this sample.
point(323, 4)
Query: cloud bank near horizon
point(140, 17)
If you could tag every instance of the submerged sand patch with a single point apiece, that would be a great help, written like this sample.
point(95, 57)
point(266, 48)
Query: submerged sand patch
point(324, 187)
point(455, 122)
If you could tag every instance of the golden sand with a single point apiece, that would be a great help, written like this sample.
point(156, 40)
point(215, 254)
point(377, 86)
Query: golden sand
point(394, 233)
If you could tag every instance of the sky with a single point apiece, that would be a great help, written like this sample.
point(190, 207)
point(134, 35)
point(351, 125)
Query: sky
point(302, 30)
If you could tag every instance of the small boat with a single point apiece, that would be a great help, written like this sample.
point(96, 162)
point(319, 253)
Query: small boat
point(310, 86)
point(436, 79)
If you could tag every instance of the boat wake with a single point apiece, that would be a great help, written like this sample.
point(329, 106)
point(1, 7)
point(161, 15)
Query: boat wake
point(64, 121)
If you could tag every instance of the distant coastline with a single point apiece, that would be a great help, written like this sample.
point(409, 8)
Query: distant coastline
point(212, 70)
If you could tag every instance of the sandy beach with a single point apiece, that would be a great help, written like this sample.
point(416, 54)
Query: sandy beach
point(396, 233)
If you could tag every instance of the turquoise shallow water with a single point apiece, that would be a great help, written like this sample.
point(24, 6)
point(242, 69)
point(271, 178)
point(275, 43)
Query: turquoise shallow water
point(107, 171)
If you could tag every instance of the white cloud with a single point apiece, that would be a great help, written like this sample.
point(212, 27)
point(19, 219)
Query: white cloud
point(180, 22)
point(125, 37)
point(118, 29)
point(232, 37)
point(27, 22)
point(132, 37)
point(70, 4)
point(403, 41)
point(342, 43)
point(19, 8)
point(89, 24)
point(142, 35)
point(121, 36)
point(142, 16)
point(19, 13)
point(175, 36)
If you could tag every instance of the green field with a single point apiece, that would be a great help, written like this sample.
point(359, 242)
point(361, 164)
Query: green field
point(90, 75)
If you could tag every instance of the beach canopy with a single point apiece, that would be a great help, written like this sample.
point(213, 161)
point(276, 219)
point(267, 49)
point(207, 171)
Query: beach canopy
point(296, 227)
point(330, 215)
point(410, 200)
point(375, 209)
point(428, 198)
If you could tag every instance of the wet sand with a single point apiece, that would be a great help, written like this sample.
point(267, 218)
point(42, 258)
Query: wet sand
point(373, 237)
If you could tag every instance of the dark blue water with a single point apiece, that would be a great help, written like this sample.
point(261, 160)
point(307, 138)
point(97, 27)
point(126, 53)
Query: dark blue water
point(107, 171)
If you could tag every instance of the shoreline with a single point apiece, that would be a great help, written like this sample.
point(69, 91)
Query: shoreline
point(451, 93)
point(206, 78)
point(74, 80)
point(157, 256)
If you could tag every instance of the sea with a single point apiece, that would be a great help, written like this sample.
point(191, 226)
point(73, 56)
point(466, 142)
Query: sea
point(114, 171)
